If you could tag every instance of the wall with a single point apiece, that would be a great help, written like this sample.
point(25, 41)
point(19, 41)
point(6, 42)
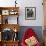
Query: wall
point(39, 13)
point(25, 3)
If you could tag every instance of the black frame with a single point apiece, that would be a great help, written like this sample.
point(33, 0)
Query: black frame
point(33, 8)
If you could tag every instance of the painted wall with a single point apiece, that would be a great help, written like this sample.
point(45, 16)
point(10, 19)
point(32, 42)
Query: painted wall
point(25, 3)
point(39, 13)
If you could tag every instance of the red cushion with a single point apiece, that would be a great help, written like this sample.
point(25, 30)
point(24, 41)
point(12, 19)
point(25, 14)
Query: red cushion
point(29, 33)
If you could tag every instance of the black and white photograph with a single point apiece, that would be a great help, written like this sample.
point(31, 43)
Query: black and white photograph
point(30, 13)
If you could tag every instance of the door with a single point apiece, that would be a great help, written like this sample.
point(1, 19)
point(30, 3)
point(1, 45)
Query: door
point(44, 6)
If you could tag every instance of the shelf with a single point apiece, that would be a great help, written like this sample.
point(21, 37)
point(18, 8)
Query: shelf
point(5, 12)
point(11, 41)
point(10, 26)
point(10, 19)
point(9, 10)
point(4, 8)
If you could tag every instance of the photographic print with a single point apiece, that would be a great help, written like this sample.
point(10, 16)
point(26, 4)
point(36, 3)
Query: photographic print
point(5, 12)
point(30, 13)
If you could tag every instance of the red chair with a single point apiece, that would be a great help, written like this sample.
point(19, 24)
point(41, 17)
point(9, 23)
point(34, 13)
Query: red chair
point(29, 33)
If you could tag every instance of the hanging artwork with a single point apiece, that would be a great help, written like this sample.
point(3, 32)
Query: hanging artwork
point(30, 13)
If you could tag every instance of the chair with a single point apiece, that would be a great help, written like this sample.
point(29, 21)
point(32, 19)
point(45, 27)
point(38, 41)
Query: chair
point(29, 34)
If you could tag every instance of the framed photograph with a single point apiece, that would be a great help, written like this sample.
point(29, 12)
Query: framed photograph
point(30, 13)
point(5, 12)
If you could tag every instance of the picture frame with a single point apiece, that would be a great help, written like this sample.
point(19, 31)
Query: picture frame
point(5, 12)
point(30, 13)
